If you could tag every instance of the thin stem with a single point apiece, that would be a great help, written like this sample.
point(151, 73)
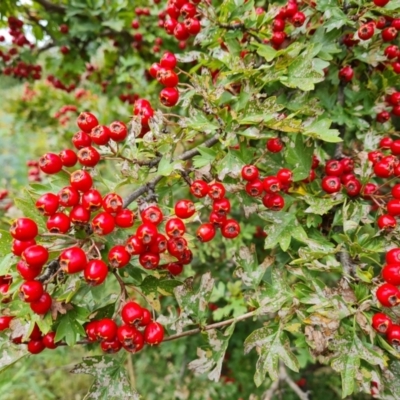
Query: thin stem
point(211, 326)
point(124, 292)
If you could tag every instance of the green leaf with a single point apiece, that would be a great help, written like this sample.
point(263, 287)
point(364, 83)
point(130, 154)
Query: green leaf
point(206, 157)
point(266, 51)
point(299, 156)
point(6, 264)
point(273, 345)
point(5, 242)
point(320, 206)
point(165, 167)
point(283, 226)
point(248, 268)
point(193, 303)
point(320, 130)
point(69, 327)
point(111, 378)
point(211, 357)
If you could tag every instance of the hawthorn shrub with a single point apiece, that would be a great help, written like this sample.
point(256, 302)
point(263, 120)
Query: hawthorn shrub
point(213, 195)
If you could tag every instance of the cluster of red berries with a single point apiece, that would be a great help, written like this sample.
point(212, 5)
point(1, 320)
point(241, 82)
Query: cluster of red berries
point(137, 329)
point(57, 84)
point(288, 12)
point(62, 116)
point(165, 74)
point(221, 207)
point(144, 111)
point(190, 26)
point(129, 98)
point(15, 31)
point(5, 201)
point(34, 174)
point(388, 295)
point(393, 101)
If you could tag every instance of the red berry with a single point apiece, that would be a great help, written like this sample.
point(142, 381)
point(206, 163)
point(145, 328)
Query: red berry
point(81, 180)
point(88, 156)
point(91, 331)
point(125, 218)
point(393, 256)
point(135, 246)
point(81, 139)
point(126, 335)
point(68, 197)
point(255, 188)
point(95, 272)
point(118, 131)
point(100, 135)
point(47, 204)
point(43, 305)
point(193, 27)
point(5, 321)
point(221, 206)
point(298, 19)
point(230, 229)
point(346, 74)
point(167, 77)
point(216, 191)
point(383, 117)
point(175, 227)
point(389, 34)
point(147, 233)
point(394, 99)
point(274, 202)
point(353, 187)
point(181, 32)
point(395, 147)
point(170, 25)
point(199, 188)
point(375, 156)
point(205, 232)
point(103, 224)
point(278, 25)
point(274, 145)
point(331, 184)
point(386, 222)
point(149, 260)
point(184, 209)
point(87, 121)
point(18, 246)
point(381, 323)
point(285, 176)
point(383, 169)
point(396, 24)
point(393, 207)
point(58, 223)
point(146, 319)
point(50, 163)
point(334, 168)
point(35, 256)
point(35, 346)
point(64, 28)
point(27, 272)
point(131, 312)
point(112, 203)
point(152, 215)
point(79, 215)
point(366, 31)
point(92, 200)
point(381, 3)
point(388, 295)
point(48, 340)
point(159, 245)
point(73, 260)
point(278, 37)
point(106, 329)
point(168, 60)
point(176, 246)
point(175, 268)
point(250, 173)
point(271, 184)
point(391, 273)
point(68, 158)
point(393, 335)
point(169, 96)
point(143, 109)
point(188, 10)
point(391, 52)
point(153, 70)
point(31, 291)
point(118, 257)
point(154, 333)
point(385, 143)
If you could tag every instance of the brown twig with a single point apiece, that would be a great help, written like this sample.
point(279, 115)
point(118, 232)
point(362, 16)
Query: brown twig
point(49, 6)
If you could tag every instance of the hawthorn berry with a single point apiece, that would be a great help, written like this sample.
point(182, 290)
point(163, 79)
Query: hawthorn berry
point(68, 158)
point(135, 246)
point(91, 331)
point(159, 245)
point(391, 273)
point(88, 156)
point(152, 215)
point(125, 218)
point(193, 27)
point(205, 232)
point(393, 335)
point(106, 329)
point(47, 204)
point(169, 96)
point(81, 180)
point(274, 145)
point(285, 176)
point(149, 260)
point(389, 34)
point(383, 117)
point(330, 184)
point(43, 305)
point(19, 246)
point(118, 131)
point(216, 191)
point(254, 188)
point(5, 321)
point(386, 222)
point(79, 215)
point(175, 268)
point(221, 206)
point(353, 187)
point(393, 256)
point(175, 227)
point(381, 322)
point(73, 260)
point(35, 256)
point(58, 223)
point(167, 78)
point(271, 184)
point(131, 312)
point(181, 32)
point(118, 257)
point(50, 163)
point(112, 203)
point(49, 340)
point(81, 139)
point(346, 73)
point(388, 295)
point(366, 31)
point(168, 60)
point(68, 196)
point(103, 223)
point(95, 272)
point(92, 200)
point(274, 201)
point(230, 229)
point(87, 121)
point(250, 173)
point(199, 188)
point(184, 209)
point(154, 333)
point(298, 19)
point(31, 291)
point(27, 272)
point(35, 346)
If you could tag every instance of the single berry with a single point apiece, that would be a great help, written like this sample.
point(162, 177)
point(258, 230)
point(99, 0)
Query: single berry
point(47, 204)
point(103, 224)
point(95, 272)
point(154, 333)
point(58, 223)
point(274, 145)
point(73, 260)
point(43, 305)
point(131, 312)
point(206, 232)
point(31, 291)
point(118, 257)
point(149, 260)
point(87, 121)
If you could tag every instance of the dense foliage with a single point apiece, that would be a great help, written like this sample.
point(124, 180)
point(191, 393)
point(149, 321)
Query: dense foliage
point(200, 198)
